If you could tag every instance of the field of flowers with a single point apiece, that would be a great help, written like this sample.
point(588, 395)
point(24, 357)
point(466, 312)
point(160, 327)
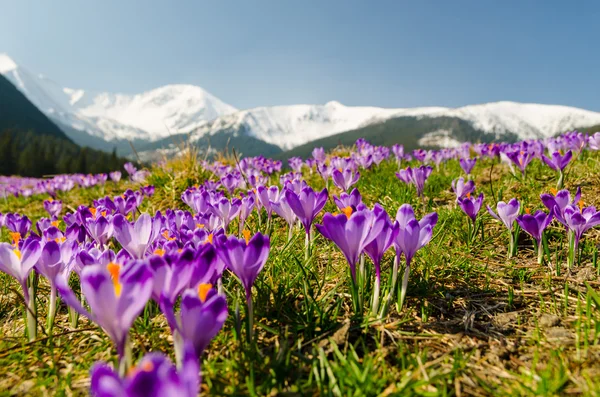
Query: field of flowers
point(362, 272)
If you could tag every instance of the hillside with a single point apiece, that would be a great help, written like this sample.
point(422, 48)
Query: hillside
point(19, 114)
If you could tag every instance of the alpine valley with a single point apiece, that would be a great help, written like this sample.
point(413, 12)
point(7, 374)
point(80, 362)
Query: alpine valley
point(160, 120)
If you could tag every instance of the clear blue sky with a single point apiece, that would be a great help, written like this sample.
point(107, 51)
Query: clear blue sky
point(254, 53)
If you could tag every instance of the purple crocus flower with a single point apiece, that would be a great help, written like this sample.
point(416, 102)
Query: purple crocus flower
point(116, 295)
point(346, 200)
point(462, 188)
point(306, 205)
point(18, 262)
point(412, 236)
point(283, 209)
point(246, 208)
point(266, 196)
point(202, 315)
point(17, 223)
point(135, 238)
point(53, 207)
point(507, 214)
point(535, 225)
point(154, 376)
point(226, 210)
point(115, 176)
point(467, 164)
point(296, 164)
point(416, 176)
point(351, 232)
point(378, 246)
point(594, 141)
point(245, 258)
point(318, 154)
point(130, 168)
point(521, 158)
point(471, 206)
point(345, 179)
point(558, 163)
point(557, 203)
point(579, 220)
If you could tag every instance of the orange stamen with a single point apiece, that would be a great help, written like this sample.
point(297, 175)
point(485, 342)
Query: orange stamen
point(104, 213)
point(203, 290)
point(60, 239)
point(159, 252)
point(347, 211)
point(166, 235)
point(114, 269)
point(553, 191)
point(56, 223)
point(93, 211)
point(581, 204)
point(200, 225)
point(527, 211)
point(468, 195)
point(16, 237)
point(209, 239)
point(147, 366)
point(246, 234)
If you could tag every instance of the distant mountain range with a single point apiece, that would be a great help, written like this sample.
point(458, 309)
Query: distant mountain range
point(164, 117)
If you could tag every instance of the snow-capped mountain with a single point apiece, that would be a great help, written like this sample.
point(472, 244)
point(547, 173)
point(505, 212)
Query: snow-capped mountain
point(104, 120)
point(148, 116)
point(291, 126)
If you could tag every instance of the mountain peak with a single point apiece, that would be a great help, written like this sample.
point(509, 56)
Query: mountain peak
point(6, 63)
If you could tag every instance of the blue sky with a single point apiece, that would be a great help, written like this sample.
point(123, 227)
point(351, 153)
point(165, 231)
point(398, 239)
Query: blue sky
point(255, 53)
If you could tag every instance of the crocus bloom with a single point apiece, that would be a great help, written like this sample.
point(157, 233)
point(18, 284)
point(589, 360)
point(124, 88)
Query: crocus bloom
point(471, 206)
point(507, 214)
point(557, 203)
point(521, 158)
point(136, 237)
point(130, 168)
point(318, 154)
point(345, 179)
point(202, 315)
point(17, 223)
point(412, 236)
point(378, 246)
point(283, 209)
point(467, 164)
point(154, 376)
point(579, 221)
point(346, 200)
point(115, 176)
point(594, 141)
point(416, 176)
point(53, 207)
point(19, 262)
point(116, 295)
point(267, 196)
point(558, 163)
point(306, 205)
point(462, 188)
point(226, 210)
point(535, 225)
point(351, 232)
point(245, 258)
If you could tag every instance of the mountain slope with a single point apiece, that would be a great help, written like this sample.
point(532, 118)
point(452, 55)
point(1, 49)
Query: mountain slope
point(149, 116)
point(19, 115)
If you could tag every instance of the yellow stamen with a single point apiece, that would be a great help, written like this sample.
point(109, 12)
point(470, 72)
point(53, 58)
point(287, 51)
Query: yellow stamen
point(60, 239)
point(527, 211)
point(50, 199)
point(114, 269)
point(468, 195)
point(581, 204)
point(17, 253)
point(179, 251)
point(16, 237)
point(246, 234)
point(203, 290)
point(93, 211)
point(123, 196)
point(166, 235)
point(200, 225)
point(209, 239)
point(347, 211)
point(159, 252)
point(103, 213)
point(553, 191)
point(56, 223)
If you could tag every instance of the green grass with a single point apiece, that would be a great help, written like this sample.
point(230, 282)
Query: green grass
point(474, 323)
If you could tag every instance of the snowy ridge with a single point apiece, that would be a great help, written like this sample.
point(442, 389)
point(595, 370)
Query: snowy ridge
point(148, 116)
point(294, 125)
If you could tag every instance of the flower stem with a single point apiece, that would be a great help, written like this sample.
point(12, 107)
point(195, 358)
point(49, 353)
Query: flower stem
point(540, 252)
point(250, 319)
point(307, 247)
point(404, 286)
point(390, 296)
point(32, 308)
point(51, 310)
point(375, 306)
